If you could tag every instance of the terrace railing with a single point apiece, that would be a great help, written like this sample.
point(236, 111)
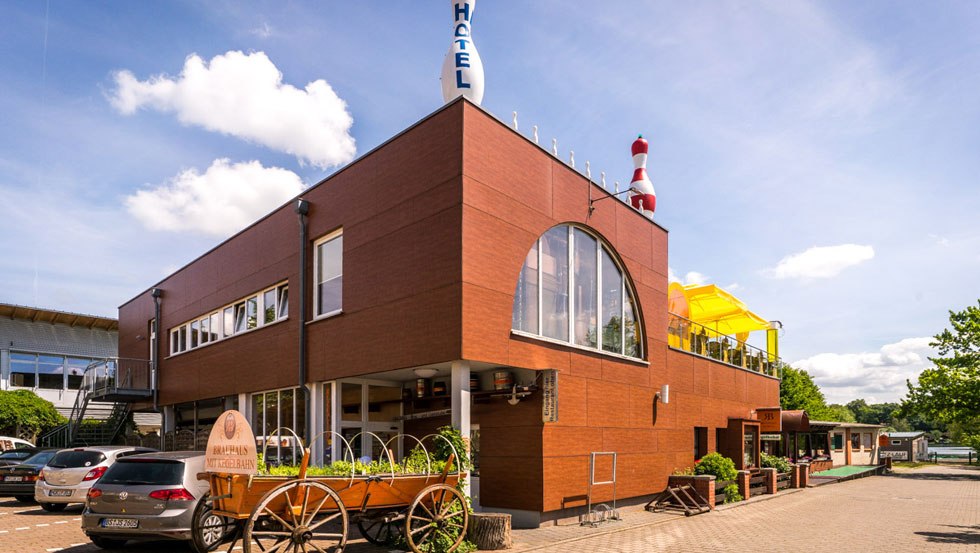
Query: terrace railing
point(687, 335)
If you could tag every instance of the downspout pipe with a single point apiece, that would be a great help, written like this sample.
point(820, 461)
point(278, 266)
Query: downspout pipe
point(302, 209)
point(154, 375)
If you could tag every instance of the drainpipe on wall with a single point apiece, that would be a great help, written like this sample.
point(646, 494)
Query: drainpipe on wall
point(154, 376)
point(302, 209)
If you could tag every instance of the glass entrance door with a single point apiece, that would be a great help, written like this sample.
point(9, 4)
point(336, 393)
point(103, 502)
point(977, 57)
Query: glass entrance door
point(367, 407)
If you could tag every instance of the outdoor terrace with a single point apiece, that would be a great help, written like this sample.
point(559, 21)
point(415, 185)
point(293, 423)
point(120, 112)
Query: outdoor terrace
point(686, 335)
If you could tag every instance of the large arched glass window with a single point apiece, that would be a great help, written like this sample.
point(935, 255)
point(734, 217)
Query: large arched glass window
point(571, 289)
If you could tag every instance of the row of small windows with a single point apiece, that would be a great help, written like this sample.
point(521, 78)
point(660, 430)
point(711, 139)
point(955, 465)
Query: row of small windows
point(264, 308)
point(569, 271)
point(50, 372)
point(270, 305)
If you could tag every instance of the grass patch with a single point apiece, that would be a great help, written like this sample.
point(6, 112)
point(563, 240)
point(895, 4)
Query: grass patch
point(911, 465)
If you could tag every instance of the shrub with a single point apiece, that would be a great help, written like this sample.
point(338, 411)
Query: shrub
point(717, 464)
point(731, 494)
point(781, 464)
point(24, 414)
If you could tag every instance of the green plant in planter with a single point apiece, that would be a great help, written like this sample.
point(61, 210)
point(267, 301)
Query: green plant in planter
point(781, 464)
point(717, 464)
point(732, 495)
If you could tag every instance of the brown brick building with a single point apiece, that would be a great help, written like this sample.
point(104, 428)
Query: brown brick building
point(462, 247)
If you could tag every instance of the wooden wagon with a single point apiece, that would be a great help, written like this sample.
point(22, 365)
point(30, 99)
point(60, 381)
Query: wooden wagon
point(313, 513)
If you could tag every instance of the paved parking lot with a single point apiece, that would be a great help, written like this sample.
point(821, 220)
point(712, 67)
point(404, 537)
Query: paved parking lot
point(929, 509)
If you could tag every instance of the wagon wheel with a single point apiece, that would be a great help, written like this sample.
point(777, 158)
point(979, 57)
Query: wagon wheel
point(310, 518)
point(209, 530)
point(381, 528)
point(439, 514)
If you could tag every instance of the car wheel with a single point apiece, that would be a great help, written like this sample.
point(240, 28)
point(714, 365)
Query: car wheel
point(208, 529)
point(54, 507)
point(24, 498)
point(107, 543)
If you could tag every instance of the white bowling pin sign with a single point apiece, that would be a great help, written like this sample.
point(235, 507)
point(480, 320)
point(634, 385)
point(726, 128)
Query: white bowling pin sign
point(462, 69)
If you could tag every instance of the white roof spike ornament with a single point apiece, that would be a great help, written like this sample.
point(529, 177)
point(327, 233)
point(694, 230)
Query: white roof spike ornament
point(643, 197)
point(515, 121)
point(554, 147)
point(462, 68)
point(571, 158)
point(534, 131)
point(588, 170)
point(602, 179)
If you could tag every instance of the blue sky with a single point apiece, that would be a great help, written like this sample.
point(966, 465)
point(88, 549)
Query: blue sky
point(818, 159)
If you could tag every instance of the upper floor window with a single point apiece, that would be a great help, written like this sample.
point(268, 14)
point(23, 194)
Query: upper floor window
point(329, 266)
point(52, 372)
point(572, 289)
point(256, 310)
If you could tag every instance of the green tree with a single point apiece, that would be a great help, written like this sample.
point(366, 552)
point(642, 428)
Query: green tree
point(24, 414)
point(949, 392)
point(838, 412)
point(798, 391)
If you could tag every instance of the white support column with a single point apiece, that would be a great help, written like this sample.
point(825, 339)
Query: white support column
point(316, 424)
point(335, 416)
point(245, 407)
point(460, 395)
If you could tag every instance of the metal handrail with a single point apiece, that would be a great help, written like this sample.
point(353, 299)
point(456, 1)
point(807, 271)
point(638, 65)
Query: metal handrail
point(687, 335)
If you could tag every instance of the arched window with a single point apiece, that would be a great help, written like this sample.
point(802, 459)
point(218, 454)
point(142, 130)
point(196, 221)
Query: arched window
point(571, 289)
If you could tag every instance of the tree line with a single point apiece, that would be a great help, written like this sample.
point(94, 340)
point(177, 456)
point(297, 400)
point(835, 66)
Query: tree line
point(945, 400)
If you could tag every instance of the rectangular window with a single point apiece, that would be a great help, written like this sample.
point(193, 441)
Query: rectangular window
point(50, 372)
point(329, 275)
point(228, 316)
point(896, 442)
point(240, 317)
point(866, 440)
point(748, 452)
point(195, 333)
point(182, 340)
point(252, 312)
point(76, 370)
point(525, 314)
point(838, 442)
point(700, 442)
point(23, 369)
point(283, 302)
point(205, 330)
point(269, 306)
point(174, 342)
point(215, 326)
point(554, 283)
point(586, 289)
point(612, 305)
point(856, 441)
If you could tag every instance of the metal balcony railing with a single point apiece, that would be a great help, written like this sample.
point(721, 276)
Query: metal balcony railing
point(117, 378)
point(687, 335)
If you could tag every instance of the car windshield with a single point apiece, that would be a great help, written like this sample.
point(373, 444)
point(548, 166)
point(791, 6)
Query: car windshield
point(134, 472)
point(41, 458)
point(15, 455)
point(71, 459)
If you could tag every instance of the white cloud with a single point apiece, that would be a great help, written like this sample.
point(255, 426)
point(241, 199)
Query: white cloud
point(876, 376)
point(820, 261)
point(691, 277)
point(221, 201)
point(243, 95)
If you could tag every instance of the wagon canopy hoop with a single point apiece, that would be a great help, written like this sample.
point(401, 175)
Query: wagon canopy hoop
point(342, 439)
point(459, 461)
point(428, 458)
point(276, 432)
point(384, 451)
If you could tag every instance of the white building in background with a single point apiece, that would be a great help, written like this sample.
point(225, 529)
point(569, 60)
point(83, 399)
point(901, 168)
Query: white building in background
point(46, 351)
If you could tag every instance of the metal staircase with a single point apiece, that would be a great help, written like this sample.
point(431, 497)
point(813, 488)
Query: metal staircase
point(104, 403)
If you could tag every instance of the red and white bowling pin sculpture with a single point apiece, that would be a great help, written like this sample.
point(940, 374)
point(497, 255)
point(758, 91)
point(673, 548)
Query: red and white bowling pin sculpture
point(462, 70)
point(642, 197)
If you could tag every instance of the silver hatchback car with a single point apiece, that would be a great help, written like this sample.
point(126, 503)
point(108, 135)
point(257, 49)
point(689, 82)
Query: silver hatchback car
point(71, 472)
point(153, 496)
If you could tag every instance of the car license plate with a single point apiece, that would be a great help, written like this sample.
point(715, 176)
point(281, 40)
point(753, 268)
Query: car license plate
point(120, 523)
point(13, 478)
point(59, 493)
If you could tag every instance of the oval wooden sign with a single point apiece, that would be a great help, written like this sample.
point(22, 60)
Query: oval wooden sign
point(231, 446)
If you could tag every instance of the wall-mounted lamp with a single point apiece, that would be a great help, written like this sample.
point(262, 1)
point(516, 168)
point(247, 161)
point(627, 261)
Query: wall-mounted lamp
point(513, 399)
point(663, 395)
point(425, 372)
